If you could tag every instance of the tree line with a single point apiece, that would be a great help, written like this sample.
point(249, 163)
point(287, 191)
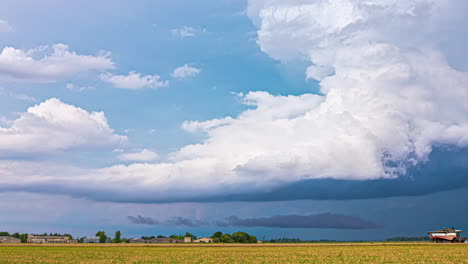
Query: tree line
point(218, 237)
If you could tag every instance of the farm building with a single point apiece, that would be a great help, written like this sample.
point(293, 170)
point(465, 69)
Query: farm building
point(164, 240)
point(187, 239)
point(50, 239)
point(95, 240)
point(136, 240)
point(9, 239)
point(204, 240)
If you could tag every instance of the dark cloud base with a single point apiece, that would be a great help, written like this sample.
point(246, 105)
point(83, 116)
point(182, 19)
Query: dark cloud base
point(447, 169)
point(174, 221)
point(328, 220)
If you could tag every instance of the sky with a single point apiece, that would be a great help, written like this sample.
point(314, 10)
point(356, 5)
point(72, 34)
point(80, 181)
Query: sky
point(311, 119)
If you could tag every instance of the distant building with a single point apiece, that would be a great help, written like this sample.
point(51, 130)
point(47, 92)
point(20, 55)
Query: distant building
point(187, 239)
point(95, 240)
point(204, 240)
point(50, 239)
point(9, 239)
point(136, 240)
point(164, 240)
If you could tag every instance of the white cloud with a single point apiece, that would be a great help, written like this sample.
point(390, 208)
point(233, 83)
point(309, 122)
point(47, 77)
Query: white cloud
point(184, 32)
point(19, 65)
point(5, 26)
point(134, 81)
point(53, 126)
point(389, 97)
point(75, 88)
point(18, 96)
point(185, 71)
point(144, 155)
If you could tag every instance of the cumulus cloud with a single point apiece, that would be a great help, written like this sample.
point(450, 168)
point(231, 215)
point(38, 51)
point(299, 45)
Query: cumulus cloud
point(327, 220)
point(185, 71)
point(144, 155)
point(5, 26)
point(55, 126)
point(390, 96)
point(61, 63)
point(134, 81)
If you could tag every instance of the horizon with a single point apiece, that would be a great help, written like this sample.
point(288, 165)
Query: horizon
point(337, 119)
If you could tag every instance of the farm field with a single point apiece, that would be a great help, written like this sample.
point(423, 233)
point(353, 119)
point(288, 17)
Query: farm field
point(236, 253)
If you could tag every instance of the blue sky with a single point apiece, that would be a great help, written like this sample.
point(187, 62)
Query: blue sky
point(255, 109)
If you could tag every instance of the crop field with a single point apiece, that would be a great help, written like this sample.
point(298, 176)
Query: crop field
point(224, 253)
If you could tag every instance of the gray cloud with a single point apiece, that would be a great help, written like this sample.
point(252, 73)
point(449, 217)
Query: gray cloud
point(326, 220)
point(142, 220)
point(174, 221)
point(181, 221)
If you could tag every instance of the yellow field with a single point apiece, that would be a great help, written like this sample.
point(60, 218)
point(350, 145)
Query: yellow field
point(229, 253)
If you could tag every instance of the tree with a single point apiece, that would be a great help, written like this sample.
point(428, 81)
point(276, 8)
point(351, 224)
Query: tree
point(24, 238)
point(241, 237)
point(118, 236)
point(16, 235)
point(217, 235)
point(180, 237)
point(69, 236)
point(253, 239)
point(187, 234)
point(102, 236)
point(4, 234)
point(227, 238)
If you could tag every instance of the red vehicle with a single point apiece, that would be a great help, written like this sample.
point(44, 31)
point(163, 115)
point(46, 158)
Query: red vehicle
point(446, 235)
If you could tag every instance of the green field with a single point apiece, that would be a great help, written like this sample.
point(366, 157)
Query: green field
point(236, 253)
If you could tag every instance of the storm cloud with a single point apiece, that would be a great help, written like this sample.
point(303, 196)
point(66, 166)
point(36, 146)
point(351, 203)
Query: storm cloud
point(143, 220)
point(326, 220)
point(174, 221)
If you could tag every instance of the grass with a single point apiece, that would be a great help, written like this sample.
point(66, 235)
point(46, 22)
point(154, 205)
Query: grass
point(236, 253)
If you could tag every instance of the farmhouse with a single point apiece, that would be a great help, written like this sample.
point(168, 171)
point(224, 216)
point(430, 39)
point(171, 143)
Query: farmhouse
point(136, 240)
point(9, 239)
point(204, 240)
point(187, 239)
point(164, 240)
point(50, 239)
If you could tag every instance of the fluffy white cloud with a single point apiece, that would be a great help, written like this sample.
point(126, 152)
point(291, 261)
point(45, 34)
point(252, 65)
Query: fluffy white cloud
point(5, 26)
point(53, 126)
point(134, 81)
point(389, 97)
point(385, 104)
point(185, 71)
point(20, 65)
point(144, 155)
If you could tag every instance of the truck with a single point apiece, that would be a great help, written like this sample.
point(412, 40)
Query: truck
point(447, 235)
